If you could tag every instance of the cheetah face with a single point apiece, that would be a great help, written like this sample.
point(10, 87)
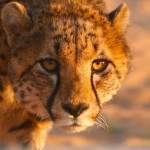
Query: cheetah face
point(64, 69)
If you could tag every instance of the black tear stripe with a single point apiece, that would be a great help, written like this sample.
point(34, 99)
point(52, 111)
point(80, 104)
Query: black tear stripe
point(93, 88)
point(27, 70)
point(24, 125)
point(53, 95)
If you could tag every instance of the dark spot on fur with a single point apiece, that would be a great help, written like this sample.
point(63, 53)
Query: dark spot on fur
point(40, 27)
point(22, 94)
point(21, 137)
point(1, 98)
point(67, 40)
point(29, 89)
point(82, 12)
point(72, 33)
point(1, 85)
point(37, 94)
point(20, 84)
point(2, 56)
point(40, 18)
point(86, 43)
point(65, 29)
point(38, 118)
point(24, 80)
point(23, 101)
point(118, 73)
point(5, 41)
point(3, 73)
point(32, 85)
point(19, 60)
point(70, 26)
point(34, 106)
point(86, 10)
point(24, 125)
point(57, 37)
point(84, 28)
point(43, 12)
point(15, 89)
point(95, 46)
point(102, 55)
point(92, 16)
point(57, 47)
point(52, 27)
point(15, 54)
point(92, 35)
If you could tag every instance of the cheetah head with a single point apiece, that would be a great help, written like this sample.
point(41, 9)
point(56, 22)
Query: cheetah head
point(66, 62)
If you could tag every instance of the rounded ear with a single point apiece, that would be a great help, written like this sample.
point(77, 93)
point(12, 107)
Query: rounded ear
point(120, 18)
point(15, 21)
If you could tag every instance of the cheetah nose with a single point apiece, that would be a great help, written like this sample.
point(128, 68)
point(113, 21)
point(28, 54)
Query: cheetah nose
point(75, 110)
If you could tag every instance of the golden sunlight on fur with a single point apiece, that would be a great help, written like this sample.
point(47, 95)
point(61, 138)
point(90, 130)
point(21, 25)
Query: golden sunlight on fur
point(60, 61)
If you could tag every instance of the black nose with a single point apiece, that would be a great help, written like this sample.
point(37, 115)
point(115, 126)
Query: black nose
point(75, 110)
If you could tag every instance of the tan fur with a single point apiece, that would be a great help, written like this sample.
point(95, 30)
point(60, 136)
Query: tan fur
point(74, 33)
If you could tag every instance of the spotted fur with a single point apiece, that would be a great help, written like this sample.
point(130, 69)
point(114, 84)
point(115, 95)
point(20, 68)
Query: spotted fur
point(74, 34)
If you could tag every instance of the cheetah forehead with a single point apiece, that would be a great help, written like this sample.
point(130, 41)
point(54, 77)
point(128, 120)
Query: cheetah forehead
point(92, 10)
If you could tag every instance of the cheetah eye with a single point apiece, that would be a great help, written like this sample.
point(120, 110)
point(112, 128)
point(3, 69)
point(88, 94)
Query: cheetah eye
point(50, 65)
point(100, 65)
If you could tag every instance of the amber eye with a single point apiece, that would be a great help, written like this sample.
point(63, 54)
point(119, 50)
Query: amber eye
point(100, 65)
point(50, 65)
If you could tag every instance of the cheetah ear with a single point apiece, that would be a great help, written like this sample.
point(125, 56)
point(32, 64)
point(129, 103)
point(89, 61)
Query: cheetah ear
point(15, 21)
point(120, 18)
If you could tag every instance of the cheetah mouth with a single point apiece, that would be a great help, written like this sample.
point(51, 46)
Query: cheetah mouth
point(70, 124)
point(74, 125)
point(73, 128)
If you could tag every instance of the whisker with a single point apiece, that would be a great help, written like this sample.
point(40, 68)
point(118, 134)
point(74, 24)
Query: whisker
point(102, 119)
point(100, 122)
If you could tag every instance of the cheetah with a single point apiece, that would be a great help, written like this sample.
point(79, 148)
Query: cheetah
point(60, 61)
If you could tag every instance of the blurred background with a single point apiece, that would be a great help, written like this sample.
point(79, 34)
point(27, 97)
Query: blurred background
point(128, 115)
